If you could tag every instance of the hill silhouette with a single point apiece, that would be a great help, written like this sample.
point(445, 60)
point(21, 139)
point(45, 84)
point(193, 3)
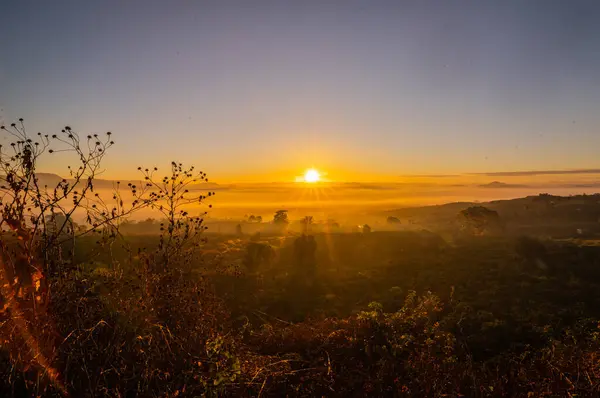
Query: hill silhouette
point(557, 216)
point(51, 179)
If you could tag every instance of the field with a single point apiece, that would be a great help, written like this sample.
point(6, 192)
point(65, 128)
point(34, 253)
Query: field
point(403, 311)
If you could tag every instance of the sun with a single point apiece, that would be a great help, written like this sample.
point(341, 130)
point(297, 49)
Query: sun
point(312, 175)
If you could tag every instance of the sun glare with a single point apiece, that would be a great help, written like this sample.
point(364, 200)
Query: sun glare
point(312, 175)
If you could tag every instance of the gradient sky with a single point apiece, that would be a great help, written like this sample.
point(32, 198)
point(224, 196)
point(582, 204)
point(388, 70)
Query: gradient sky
point(260, 90)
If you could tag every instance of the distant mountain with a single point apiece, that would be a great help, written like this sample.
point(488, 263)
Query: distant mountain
point(48, 179)
point(110, 184)
point(499, 184)
point(51, 180)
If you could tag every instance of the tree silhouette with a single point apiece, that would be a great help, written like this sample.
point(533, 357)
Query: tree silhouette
point(258, 254)
point(332, 224)
point(479, 220)
point(55, 221)
point(281, 217)
point(306, 223)
point(393, 220)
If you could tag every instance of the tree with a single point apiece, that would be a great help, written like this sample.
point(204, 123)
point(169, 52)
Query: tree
point(148, 223)
point(306, 223)
point(479, 220)
point(332, 224)
point(258, 254)
point(254, 219)
point(281, 217)
point(55, 221)
point(393, 220)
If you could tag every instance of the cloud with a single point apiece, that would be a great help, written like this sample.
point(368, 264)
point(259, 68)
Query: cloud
point(539, 172)
point(429, 175)
point(591, 185)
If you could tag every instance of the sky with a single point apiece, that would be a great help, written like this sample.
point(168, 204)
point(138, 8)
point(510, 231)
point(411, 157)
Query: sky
point(261, 90)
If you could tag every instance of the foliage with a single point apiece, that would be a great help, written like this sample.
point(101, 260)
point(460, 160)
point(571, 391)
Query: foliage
point(281, 217)
point(479, 220)
point(306, 223)
point(171, 196)
point(332, 224)
point(39, 282)
point(254, 219)
point(41, 216)
point(373, 352)
point(258, 254)
point(393, 220)
point(40, 220)
point(531, 250)
point(497, 333)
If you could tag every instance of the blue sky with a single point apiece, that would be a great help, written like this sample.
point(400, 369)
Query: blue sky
point(360, 89)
